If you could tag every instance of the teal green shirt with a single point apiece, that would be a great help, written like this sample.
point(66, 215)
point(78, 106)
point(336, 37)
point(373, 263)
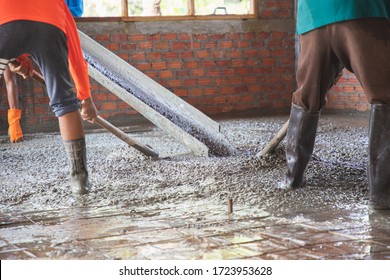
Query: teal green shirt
point(316, 13)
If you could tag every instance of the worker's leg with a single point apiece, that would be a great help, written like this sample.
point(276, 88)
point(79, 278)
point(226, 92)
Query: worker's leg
point(14, 113)
point(12, 44)
point(318, 67)
point(366, 43)
point(379, 157)
point(72, 133)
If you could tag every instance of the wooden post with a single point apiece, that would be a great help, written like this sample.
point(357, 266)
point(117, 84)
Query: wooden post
point(125, 8)
point(275, 141)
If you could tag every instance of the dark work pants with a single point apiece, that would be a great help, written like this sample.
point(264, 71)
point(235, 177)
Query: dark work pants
point(48, 47)
point(362, 46)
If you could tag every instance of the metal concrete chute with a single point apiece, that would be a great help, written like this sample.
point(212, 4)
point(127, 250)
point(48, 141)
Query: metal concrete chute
point(179, 119)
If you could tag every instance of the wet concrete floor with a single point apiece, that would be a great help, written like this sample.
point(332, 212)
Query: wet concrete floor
point(176, 207)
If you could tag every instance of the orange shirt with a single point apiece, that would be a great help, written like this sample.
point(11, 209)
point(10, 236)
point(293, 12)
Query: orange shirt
point(54, 12)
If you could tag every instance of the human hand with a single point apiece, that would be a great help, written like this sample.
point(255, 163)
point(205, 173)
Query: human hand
point(22, 66)
point(88, 110)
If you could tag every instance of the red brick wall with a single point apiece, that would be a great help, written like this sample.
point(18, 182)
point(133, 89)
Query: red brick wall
point(347, 94)
point(217, 73)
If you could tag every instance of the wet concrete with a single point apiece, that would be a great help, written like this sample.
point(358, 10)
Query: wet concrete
point(176, 207)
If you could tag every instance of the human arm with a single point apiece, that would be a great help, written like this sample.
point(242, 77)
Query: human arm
point(78, 69)
point(22, 65)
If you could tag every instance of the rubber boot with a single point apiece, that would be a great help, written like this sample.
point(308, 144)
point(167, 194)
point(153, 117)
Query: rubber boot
point(78, 162)
point(300, 138)
point(14, 129)
point(379, 157)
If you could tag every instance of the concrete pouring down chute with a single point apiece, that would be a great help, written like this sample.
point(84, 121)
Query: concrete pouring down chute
point(179, 119)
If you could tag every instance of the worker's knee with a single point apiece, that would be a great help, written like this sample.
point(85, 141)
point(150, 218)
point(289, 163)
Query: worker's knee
point(64, 108)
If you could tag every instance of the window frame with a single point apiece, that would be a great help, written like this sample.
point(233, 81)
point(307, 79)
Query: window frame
point(191, 8)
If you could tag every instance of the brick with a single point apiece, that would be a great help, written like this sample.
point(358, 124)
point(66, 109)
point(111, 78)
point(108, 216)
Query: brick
point(174, 83)
point(119, 38)
point(128, 46)
point(226, 44)
point(189, 82)
point(210, 45)
point(241, 44)
point(204, 81)
point(235, 54)
point(182, 73)
point(171, 55)
point(154, 37)
point(208, 64)
point(227, 90)
point(166, 74)
point(200, 37)
point(143, 66)
point(145, 45)
point(169, 37)
point(175, 65)
point(161, 45)
point(181, 92)
point(124, 56)
point(99, 97)
point(159, 65)
point(195, 92)
point(186, 54)
point(242, 71)
point(224, 63)
point(249, 53)
point(184, 37)
point(179, 46)
point(202, 54)
point(198, 72)
point(152, 75)
point(268, 61)
point(109, 106)
point(155, 56)
point(191, 64)
point(195, 45)
point(102, 37)
point(238, 63)
point(211, 91)
point(248, 36)
point(138, 56)
point(113, 46)
point(137, 37)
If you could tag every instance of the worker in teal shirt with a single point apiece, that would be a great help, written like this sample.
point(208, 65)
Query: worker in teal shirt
point(76, 7)
point(337, 34)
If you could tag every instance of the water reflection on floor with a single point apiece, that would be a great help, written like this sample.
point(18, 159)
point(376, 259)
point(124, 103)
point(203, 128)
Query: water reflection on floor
point(193, 230)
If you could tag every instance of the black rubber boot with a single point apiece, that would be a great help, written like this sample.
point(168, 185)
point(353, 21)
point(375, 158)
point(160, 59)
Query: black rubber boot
point(78, 162)
point(301, 135)
point(379, 157)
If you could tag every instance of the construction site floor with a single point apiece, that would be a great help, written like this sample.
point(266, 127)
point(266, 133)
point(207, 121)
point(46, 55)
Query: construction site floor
point(176, 207)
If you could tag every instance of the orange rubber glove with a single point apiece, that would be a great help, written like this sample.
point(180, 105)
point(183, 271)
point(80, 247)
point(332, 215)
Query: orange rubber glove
point(14, 129)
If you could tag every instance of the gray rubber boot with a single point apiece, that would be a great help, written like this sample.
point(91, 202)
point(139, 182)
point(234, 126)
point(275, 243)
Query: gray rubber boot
point(76, 151)
point(379, 157)
point(300, 138)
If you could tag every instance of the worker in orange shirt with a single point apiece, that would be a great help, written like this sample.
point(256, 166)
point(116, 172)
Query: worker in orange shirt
point(46, 30)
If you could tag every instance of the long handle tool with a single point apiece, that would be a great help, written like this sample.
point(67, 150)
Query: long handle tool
point(146, 150)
